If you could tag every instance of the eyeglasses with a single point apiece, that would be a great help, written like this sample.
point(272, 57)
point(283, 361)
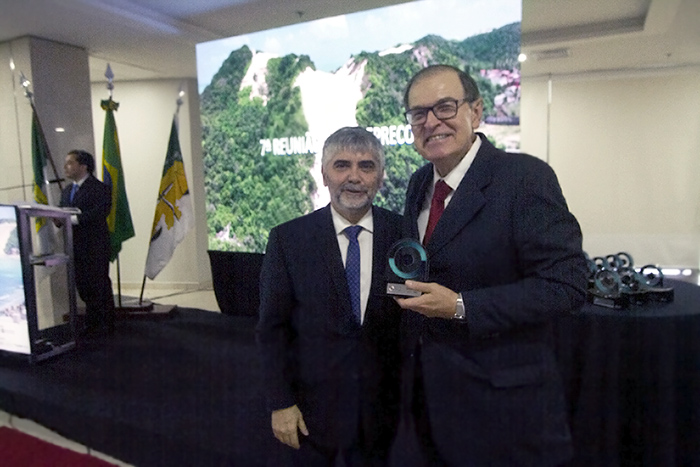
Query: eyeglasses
point(443, 110)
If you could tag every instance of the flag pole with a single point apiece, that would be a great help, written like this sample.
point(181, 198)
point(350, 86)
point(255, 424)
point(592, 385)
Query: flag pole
point(119, 219)
point(110, 81)
point(143, 286)
point(110, 89)
point(178, 104)
point(40, 188)
point(119, 284)
point(24, 82)
point(173, 212)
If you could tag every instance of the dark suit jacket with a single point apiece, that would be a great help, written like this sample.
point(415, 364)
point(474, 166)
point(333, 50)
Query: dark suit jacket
point(91, 235)
point(509, 244)
point(313, 352)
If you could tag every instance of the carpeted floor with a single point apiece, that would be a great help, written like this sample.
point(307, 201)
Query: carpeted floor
point(18, 449)
point(177, 391)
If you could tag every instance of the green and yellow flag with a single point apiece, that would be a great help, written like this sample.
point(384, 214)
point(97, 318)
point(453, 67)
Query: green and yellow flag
point(119, 220)
point(40, 156)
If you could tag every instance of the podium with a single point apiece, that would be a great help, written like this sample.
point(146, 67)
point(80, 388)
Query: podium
point(37, 281)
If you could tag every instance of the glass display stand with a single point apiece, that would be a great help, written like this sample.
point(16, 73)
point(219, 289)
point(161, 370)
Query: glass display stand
point(45, 324)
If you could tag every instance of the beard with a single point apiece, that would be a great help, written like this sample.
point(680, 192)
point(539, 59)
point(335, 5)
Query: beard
point(353, 202)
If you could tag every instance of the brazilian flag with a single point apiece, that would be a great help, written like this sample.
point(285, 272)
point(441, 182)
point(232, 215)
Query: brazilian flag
point(119, 220)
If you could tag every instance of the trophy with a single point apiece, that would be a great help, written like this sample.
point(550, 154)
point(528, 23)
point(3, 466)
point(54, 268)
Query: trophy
point(651, 279)
point(606, 290)
point(407, 260)
point(614, 282)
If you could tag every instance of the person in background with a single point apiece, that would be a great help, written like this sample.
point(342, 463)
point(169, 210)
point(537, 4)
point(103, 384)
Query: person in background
point(327, 334)
point(505, 260)
point(91, 245)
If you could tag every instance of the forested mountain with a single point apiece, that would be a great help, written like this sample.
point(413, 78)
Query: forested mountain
point(252, 99)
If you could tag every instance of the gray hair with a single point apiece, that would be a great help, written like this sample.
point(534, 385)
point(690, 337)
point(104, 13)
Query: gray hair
point(355, 139)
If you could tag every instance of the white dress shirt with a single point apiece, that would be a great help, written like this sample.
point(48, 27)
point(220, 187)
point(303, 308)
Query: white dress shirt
point(453, 179)
point(364, 238)
point(74, 217)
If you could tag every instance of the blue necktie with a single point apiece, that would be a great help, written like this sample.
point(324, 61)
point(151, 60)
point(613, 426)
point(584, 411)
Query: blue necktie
point(73, 191)
point(352, 269)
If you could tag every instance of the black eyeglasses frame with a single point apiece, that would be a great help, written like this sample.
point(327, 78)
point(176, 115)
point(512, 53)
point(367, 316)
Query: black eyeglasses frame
point(410, 119)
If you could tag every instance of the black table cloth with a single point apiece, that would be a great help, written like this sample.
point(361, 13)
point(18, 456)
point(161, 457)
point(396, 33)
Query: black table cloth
point(632, 380)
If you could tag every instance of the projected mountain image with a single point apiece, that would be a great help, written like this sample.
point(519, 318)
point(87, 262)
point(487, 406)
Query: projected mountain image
point(265, 118)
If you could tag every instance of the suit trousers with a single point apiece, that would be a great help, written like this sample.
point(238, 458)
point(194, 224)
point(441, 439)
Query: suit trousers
point(313, 455)
point(419, 409)
point(95, 289)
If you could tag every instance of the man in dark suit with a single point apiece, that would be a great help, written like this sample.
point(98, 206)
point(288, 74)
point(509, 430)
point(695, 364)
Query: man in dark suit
point(505, 260)
point(330, 350)
point(90, 240)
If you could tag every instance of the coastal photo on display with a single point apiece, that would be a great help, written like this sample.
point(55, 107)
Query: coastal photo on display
point(14, 331)
point(270, 99)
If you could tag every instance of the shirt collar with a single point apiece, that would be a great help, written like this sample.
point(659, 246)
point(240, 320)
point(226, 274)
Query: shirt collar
point(340, 223)
point(455, 176)
point(82, 180)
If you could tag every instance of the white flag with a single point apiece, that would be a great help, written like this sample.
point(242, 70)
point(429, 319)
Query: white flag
point(173, 217)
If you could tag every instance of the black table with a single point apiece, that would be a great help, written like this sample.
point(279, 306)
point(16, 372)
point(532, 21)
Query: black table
point(632, 379)
point(236, 279)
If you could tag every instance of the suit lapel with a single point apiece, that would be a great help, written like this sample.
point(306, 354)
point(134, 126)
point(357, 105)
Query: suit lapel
point(341, 316)
point(467, 200)
point(82, 191)
point(380, 245)
point(414, 203)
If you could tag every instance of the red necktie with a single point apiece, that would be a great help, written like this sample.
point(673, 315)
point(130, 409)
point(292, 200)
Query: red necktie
point(437, 205)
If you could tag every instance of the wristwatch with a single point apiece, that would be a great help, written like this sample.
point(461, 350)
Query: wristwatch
point(460, 311)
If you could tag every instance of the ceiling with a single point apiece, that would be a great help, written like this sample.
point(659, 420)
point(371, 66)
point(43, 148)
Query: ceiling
point(571, 37)
point(155, 39)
